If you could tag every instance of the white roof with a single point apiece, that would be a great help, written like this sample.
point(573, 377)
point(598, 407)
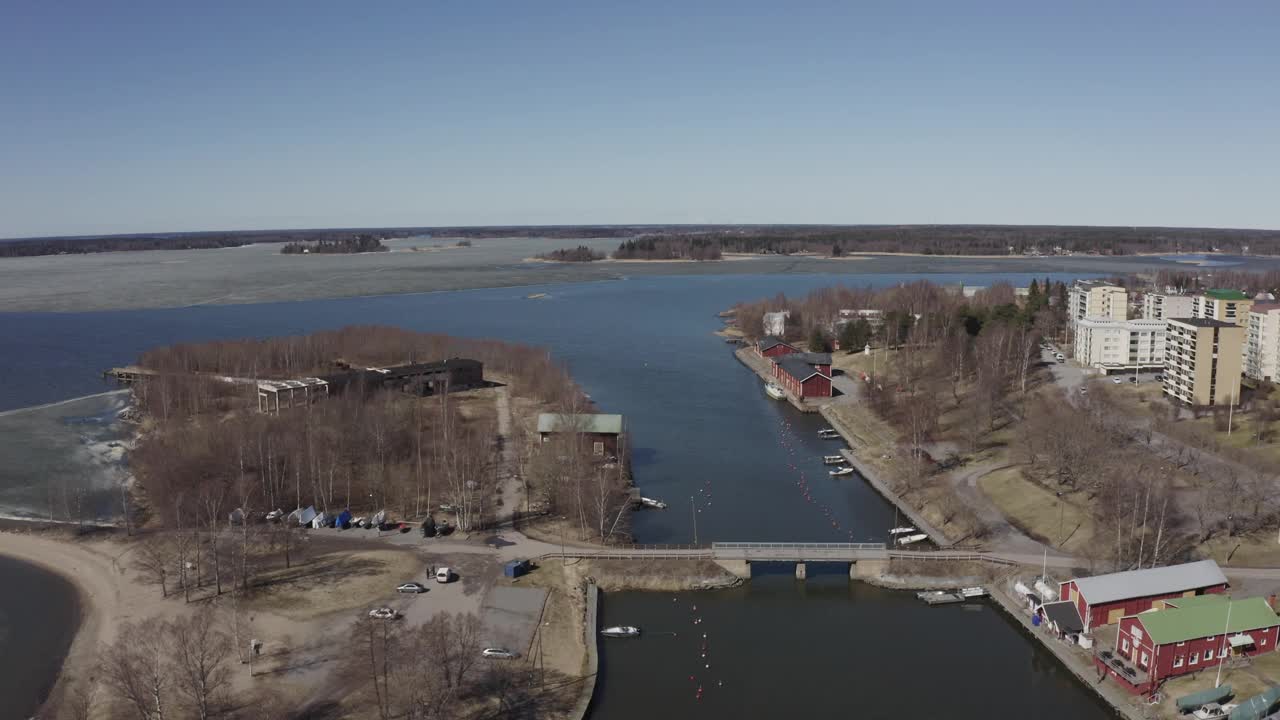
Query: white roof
point(1152, 581)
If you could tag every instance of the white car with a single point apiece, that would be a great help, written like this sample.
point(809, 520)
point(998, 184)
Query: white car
point(1117, 381)
point(383, 613)
point(498, 653)
point(444, 575)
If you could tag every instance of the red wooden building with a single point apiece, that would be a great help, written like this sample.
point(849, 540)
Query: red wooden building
point(1104, 599)
point(1191, 634)
point(800, 378)
point(772, 347)
point(820, 361)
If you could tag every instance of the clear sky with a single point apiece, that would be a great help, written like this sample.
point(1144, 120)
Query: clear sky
point(154, 116)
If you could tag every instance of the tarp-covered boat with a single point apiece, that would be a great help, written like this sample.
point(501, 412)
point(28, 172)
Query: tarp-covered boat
point(1187, 703)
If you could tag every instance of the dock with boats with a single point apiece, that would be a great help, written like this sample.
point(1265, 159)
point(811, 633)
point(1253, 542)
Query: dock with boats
point(951, 597)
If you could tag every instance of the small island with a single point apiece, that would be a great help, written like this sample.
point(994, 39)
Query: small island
point(336, 246)
point(582, 253)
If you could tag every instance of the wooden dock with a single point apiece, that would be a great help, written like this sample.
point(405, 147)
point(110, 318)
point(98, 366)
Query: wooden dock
point(129, 373)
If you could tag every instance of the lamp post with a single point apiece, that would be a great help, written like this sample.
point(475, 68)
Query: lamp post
point(693, 510)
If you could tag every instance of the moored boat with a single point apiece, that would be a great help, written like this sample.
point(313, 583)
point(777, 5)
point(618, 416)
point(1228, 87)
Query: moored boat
point(828, 433)
point(973, 592)
point(901, 530)
point(621, 631)
point(908, 539)
point(841, 471)
point(650, 502)
point(833, 459)
point(774, 391)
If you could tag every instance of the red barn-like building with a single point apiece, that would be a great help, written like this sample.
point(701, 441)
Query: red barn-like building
point(772, 347)
point(1192, 634)
point(1104, 599)
point(800, 378)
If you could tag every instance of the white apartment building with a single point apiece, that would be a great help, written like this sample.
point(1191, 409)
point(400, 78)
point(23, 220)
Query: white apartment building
point(1097, 299)
point(1262, 342)
point(1117, 345)
point(1159, 307)
point(1226, 305)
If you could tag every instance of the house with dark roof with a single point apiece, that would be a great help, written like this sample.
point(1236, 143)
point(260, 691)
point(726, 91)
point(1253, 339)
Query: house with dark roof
point(770, 346)
point(1105, 599)
point(1191, 634)
point(1062, 618)
point(802, 379)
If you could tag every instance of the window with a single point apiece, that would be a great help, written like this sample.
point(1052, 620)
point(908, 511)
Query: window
point(1194, 659)
point(1124, 644)
point(1262, 642)
point(598, 448)
point(1182, 643)
point(1208, 655)
point(1145, 659)
point(1177, 661)
point(1136, 632)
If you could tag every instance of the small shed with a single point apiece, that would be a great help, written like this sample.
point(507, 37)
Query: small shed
point(602, 430)
point(515, 568)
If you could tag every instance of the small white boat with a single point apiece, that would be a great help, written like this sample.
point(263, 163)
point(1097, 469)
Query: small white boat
point(828, 433)
point(650, 502)
point(908, 539)
point(840, 472)
point(973, 592)
point(833, 459)
point(901, 530)
point(774, 391)
point(621, 631)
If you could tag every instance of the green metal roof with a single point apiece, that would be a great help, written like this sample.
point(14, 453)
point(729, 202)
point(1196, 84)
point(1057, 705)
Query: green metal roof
point(1184, 603)
point(1221, 294)
point(1205, 619)
point(590, 423)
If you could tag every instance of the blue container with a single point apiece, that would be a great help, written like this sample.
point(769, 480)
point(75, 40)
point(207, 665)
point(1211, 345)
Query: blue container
point(1035, 620)
point(515, 568)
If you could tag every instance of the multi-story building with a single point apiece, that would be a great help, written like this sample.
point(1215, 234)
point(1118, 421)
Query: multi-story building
point(1094, 298)
point(1262, 342)
point(1202, 360)
point(1226, 305)
point(1115, 345)
point(1156, 306)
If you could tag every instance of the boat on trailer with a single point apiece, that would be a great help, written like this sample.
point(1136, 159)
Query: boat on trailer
point(621, 631)
point(833, 459)
point(840, 472)
point(774, 391)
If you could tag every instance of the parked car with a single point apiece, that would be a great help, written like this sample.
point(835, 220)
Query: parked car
point(1159, 378)
point(498, 653)
point(1133, 381)
point(443, 528)
point(383, 613)
point(411, 587)
point(274, 515)
point(444, 575)
point(1117, 381)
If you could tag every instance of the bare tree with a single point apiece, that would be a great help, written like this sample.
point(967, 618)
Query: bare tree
point(153, 559)
point(135, 670)
point(198, 651)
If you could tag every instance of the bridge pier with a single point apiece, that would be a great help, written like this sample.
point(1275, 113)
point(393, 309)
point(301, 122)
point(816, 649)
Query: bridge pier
point(800, 571)
point(868, 569)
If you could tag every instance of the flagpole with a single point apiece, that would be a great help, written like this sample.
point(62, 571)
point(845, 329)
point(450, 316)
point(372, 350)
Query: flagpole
point(1221, 659)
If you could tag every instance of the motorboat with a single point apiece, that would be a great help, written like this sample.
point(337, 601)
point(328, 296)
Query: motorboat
point(828, 433)
point(621, 631)
point(833, 459)
point(775, 392)
point(651, 503)
point(973, 592)
point(840, 472)
point(901, 530)
point(909, 539)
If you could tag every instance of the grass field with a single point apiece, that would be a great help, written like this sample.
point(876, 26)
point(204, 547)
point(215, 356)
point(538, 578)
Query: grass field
point(1037, 511)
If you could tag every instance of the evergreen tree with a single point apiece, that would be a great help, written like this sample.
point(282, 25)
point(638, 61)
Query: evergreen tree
point(818, 341)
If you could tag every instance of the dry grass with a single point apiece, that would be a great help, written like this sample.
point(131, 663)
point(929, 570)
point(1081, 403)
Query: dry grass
point(334, 581)
point(1257, 549)
point(1036, 511)
point(562, 633)
point(1245, 682)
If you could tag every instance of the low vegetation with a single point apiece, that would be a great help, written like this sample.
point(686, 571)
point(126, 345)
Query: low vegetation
point(582, 253)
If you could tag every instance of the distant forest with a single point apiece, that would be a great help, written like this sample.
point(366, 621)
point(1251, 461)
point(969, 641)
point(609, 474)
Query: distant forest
point(707, 242)
point(582, 253)
point(337, 246)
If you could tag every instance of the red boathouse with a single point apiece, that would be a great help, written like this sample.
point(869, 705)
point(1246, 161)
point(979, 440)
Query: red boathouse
point(1104, 599)
point(772, 347)
point(800, 378)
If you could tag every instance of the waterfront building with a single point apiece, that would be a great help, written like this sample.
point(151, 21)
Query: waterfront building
point(819, 361)
point(1226, 305)
point(801, 378)
point(1202, 361)
point(1118, 345)
point(1104, 599)
point(772, 347)
point(603, 431)
point(1193, 634)
point(1097, 299)
point(1158, 306)
point(1262, 342)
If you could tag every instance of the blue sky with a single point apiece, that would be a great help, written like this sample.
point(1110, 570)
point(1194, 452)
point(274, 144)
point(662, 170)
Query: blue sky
point(155, 116)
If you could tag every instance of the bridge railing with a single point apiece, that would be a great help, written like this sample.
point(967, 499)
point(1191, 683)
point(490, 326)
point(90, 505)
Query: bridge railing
point(796, 546)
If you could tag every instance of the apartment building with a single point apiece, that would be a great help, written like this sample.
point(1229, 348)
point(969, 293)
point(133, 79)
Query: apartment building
point(1156, 306)
point(1115, 345)
point(1262, 342)
point(1202, 359)
point(1226, 305)
point(1097, 299)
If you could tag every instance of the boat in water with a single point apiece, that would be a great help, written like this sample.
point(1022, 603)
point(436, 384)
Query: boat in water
point(840, 472)
point(901, 530)
point(833, 459)
point(973, 592)
point(909, 539)
point(652, 503)
point(774, 391)
point(621, 631)
point(828, 433)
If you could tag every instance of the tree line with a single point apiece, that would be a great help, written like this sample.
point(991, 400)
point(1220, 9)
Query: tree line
point(582, 253)
point(336, 246)
point(678, 247)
